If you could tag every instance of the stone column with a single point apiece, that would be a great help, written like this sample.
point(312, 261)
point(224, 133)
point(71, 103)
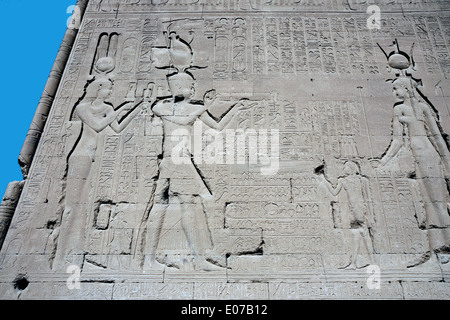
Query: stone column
point(8, 207)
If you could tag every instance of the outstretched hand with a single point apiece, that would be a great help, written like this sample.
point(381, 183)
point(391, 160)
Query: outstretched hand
point(244, 105)
point(209, 97)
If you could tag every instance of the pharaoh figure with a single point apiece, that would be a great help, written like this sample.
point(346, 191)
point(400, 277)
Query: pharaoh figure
point(414, 125)
point(360, 214)
point(180, 185)
point(95, 113)
point(180, 188)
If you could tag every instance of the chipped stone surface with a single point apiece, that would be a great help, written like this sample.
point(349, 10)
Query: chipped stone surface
point(238, 149)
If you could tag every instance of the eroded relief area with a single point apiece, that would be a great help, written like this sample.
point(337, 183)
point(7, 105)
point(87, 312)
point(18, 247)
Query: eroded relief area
point(266, 151)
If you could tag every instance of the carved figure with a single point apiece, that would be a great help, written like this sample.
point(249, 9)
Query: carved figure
point(414, 126)
point(180, 185)
point(96, 113)
point(362, 218)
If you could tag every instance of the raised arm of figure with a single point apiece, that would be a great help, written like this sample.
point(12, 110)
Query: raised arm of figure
point(97, 122)
point(333, 191)
point(226, 119)
point(117, 126)
point(397, 138)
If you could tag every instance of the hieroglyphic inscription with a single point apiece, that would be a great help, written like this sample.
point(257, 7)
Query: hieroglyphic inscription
point(298, 67)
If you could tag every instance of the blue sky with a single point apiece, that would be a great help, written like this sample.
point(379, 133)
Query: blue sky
point(30, 35)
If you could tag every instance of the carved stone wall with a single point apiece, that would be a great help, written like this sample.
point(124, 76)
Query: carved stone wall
point(242, 149)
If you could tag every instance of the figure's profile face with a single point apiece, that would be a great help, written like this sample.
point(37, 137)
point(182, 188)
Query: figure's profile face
point(402, 88)
point(100, 89)
point(190, 90)
point(105, 91)
point(183, 88)
point(350, 168)
point(399, 91)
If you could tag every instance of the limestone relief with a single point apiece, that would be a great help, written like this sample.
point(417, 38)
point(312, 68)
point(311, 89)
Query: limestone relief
point(239, 149)
point(415, 126)
point(358, 208)
point(181, 194)
point(180, 185)
point(96, 113)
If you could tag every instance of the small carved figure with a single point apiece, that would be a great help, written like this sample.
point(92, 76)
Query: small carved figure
point(362, 218)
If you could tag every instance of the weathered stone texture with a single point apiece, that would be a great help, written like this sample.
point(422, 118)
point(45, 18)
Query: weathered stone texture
point(239, 149)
